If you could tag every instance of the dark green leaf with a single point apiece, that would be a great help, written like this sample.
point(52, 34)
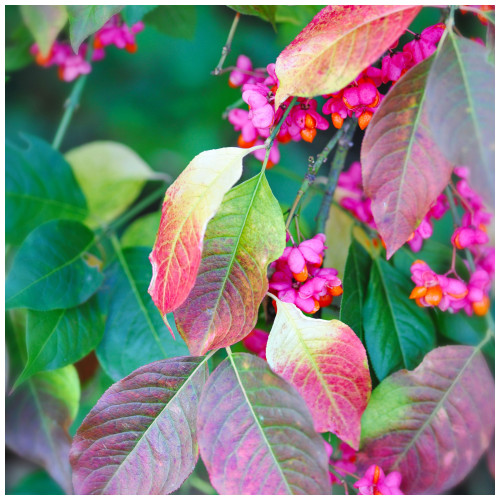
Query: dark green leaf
point(300, 15)
point(265, 12)
point(142, 232)
point(397, 332)
point(39, 186)
point(18, 55)
point(85, 20)
point(60, 337)
point(463, 329)
point(53, 268)
point(178, 21)
point(356, 277)
point(461, 109)
point(134, 13)
point(135, 333)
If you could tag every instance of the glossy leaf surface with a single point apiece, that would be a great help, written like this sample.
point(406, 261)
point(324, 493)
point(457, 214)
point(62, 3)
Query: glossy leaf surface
point(256, 435)
point(44, 22)
point(190, 202)
point(37, 418)
point(403, 170)
point(431, 424)
point(85, 20)
point(326, 362)
point(111, 176)
point(397, 332)
point(54, 257)
point(265, 12)
point(32, 196)
point(140, 438)
point(244, 237)
point(134, 334)
point(339, 43)
point(60, 337)
point(461, 103)
point(355, 284)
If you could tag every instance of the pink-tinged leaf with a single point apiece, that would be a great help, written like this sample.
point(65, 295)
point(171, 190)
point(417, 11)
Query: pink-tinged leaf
point(461, 97)
point(246, 234)
point(256, 434)
point(339, 43)
point(326, 362)
point(37, 417)
point(403, 170)
point(140, 437)
point(431, 424)
point(190, 202)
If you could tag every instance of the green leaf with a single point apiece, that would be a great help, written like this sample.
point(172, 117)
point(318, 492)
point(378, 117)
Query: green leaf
point(135, 333)
point(105, 167)
point(85, 20)
point(460, 96)
point(44, 22)
point(245, 236)
point(134, 13)
point(355, 284)
point(397, 332)
point(53, 268)
point(142, 232)
point(39, 187)
point(60, 337)
point(178, 21)
point(265, 12)
point(463, 329)
point(296, 14)
point(36, 483)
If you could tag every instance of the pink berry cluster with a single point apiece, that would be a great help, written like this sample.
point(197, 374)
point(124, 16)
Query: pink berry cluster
point(360, 98)
point(299, 279)
point(353, 199)
point(374, 482)
point(256, 342)
point(71, 65)
point(451, 294)
point(258, 92)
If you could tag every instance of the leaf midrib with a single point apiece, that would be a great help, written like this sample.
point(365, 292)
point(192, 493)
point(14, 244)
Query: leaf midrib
point(257, 422)
point(438, 406)
point(153, 422)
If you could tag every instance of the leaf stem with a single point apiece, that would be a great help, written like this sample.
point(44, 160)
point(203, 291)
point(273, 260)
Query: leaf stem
point(310, 177)
point(72, 102)
point(337, 165)
point(227, 47)
point(276, 129)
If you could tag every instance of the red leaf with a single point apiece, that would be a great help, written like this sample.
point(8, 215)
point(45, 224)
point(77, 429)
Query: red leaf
point(246, 234)
point(403, 170)
point(190, 202)
point(339, 43)
point(140, 437)
point(431, 424)
point(326, 362)
point(256, 435)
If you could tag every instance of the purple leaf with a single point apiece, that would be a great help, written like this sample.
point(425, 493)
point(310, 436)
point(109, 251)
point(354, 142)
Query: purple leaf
point(256, 434)
point(140, 437)
point(403, 170)
point(37, 418)
point(431, 424)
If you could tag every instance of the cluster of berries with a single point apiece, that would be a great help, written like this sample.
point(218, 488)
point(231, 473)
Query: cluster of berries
point(374, 482)
point(299, 278)
point(71, 65)
point(451, 294)
point(353, 199)
point(361, 97)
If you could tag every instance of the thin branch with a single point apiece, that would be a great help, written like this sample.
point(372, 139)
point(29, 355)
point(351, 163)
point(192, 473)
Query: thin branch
point(227, 47)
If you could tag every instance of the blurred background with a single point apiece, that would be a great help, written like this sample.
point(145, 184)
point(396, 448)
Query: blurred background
point(163, 102)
